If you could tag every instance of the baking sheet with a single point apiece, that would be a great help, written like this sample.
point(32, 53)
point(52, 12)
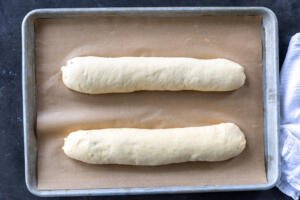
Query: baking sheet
point(61, 110)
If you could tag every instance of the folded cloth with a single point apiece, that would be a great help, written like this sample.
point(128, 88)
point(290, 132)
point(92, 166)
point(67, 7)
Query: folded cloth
point(290, 120)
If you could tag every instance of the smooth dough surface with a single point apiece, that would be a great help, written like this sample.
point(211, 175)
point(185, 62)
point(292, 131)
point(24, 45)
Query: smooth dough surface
point(97, 75)
point(131, 146)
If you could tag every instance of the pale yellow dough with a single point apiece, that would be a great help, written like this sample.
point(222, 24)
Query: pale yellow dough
point(130, 146)
point(97, 75)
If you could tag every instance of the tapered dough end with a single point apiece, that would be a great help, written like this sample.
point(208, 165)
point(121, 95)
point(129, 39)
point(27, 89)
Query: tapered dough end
point(151, 147)
point(234, 133)
point(236, 71)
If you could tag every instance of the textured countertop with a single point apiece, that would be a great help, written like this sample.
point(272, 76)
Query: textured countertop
point(12, 181)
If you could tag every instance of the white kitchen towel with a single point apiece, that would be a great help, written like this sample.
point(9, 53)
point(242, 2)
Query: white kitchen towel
point(290, 120)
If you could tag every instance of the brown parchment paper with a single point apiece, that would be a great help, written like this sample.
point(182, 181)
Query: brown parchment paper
point(61, 110)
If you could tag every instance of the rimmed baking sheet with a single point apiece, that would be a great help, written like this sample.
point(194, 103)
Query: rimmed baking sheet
point(59, 110)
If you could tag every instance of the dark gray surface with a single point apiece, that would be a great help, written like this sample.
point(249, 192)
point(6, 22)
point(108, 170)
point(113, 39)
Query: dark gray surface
point(12, 184)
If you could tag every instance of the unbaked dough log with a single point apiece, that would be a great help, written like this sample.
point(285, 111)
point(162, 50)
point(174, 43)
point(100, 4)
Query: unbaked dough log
point(97, 75)
point(130, 146)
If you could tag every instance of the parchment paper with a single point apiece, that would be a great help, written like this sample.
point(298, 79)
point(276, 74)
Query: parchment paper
point(61, 110)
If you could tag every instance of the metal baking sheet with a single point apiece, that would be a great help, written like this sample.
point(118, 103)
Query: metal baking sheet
point(270, 88)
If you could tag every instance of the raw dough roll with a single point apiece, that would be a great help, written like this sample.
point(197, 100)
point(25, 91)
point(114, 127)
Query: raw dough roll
point(130, 146)
point(97, 75)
